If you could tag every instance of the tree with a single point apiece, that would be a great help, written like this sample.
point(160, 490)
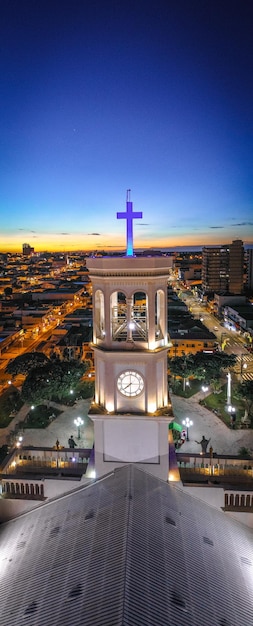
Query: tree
point(54, 380)
point(244, 453)
point(71, 372)
point(209, 366)
point(215, 384)
point(86, 389)
point(182, 366)
point(3, 452)
point(244, 391)
point(24, 363)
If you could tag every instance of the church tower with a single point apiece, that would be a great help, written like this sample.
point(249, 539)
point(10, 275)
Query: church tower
point(131, 411)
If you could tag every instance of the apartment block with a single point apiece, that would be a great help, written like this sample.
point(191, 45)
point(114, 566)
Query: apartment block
point(222, 268)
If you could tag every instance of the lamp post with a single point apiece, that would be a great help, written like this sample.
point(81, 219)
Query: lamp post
point(243, 367)
point(228, 402)
point(78, 422)
point(231, 410)
point(204, 389)
point(19, 441)
point(187, 423)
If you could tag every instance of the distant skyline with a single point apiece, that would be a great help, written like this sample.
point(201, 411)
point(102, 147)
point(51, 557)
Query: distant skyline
point(99, 97)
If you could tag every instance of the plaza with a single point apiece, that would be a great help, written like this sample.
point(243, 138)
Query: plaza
point(222, 439)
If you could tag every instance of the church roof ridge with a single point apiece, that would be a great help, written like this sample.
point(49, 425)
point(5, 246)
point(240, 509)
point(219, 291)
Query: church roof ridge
point(127, 550)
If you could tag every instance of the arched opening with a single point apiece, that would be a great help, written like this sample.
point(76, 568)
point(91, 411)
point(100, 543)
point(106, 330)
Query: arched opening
point(139, 317)
point(129, 316)
point(118, 316)
point(159, 314)
point(99, 314)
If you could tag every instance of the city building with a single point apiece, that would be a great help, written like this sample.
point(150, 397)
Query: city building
point(240, 316)
point(191, 337)
point(249, 271)
point(222, 268)
point(27, 249)
point(221, 300)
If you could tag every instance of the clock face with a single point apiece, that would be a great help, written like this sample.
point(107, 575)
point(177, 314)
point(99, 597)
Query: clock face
point(130, 383)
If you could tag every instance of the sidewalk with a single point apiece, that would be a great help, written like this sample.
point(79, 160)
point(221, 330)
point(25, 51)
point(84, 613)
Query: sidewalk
point(61, 428)
point(224, 440)
point(205, 422)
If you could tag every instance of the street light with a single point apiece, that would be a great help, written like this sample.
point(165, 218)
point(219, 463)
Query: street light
point(187, 423)
point(78, 422)
point(19, 441)
point(205, 390)
point(231, 410)
point(243, 366)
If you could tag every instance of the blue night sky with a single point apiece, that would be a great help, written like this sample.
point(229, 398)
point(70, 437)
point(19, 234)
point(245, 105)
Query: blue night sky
point(101, 96)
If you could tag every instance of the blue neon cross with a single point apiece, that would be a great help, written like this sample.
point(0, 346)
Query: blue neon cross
point(129, 215)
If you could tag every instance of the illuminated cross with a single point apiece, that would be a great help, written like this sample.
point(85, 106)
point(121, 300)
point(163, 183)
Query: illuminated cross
point(129, 215)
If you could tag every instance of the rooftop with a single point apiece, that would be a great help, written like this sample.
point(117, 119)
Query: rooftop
point(128, 550)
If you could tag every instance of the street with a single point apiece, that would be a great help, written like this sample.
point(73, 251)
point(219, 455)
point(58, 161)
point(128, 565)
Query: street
point(233, 342)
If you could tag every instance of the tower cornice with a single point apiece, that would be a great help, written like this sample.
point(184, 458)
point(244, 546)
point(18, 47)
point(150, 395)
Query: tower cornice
point(128, 267)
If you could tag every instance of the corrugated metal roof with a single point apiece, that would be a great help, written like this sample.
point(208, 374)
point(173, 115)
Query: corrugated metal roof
point(129, 550)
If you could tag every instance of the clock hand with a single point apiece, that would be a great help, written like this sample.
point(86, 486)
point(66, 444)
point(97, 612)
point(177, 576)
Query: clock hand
point(128, 385)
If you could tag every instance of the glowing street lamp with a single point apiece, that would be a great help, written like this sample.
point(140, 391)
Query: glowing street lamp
point(19, 441)
point(78, 422)
point(187, 423)
point(243, 367)
point(204, 389)
point(232, 411)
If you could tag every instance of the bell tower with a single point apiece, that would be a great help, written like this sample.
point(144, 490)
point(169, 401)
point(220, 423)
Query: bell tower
point(131, 411)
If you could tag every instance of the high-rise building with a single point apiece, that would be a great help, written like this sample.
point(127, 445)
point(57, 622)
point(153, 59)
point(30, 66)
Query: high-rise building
point(249, 258)
point(222, 268)
point(27, 249)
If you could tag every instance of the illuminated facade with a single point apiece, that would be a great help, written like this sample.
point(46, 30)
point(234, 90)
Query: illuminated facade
point(131, 410)
point(130, 351)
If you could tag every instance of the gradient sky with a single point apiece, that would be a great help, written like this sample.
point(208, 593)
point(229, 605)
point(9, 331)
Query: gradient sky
point(100, 96)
